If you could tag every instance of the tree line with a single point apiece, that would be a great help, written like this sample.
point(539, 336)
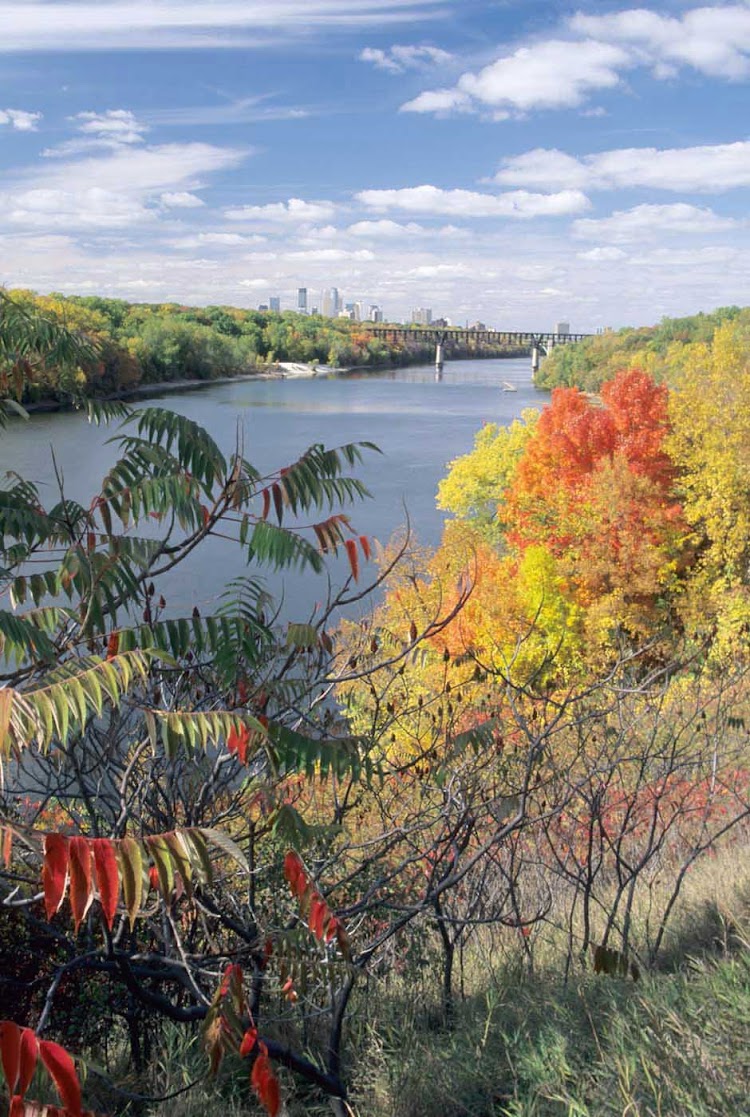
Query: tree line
point(140, 343)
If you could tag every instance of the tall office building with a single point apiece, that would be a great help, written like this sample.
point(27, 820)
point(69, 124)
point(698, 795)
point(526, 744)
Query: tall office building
point(562, 328)
point(375, 314)
point(302, 300)
point(421, 316)
point(274, 302)
point(331, 302)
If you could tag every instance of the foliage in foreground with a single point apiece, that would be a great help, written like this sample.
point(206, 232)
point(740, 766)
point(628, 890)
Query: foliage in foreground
point(194, 837)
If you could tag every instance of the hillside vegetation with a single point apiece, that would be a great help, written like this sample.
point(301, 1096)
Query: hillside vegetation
point(659, 350)
point(478, 848)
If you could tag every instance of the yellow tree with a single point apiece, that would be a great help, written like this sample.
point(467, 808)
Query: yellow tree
point(710, 443)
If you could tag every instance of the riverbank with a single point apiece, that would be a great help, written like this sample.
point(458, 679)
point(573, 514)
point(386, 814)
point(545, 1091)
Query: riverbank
point(283, 370)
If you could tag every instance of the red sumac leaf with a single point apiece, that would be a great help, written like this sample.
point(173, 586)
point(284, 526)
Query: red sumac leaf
point(17, 1107)
point(107, 877)
point(55, 872)
point(318, 916)
point(249, 1041)
point(113, 644)
point(278, 500)
point(10, 1052)
point(237, 742)
point(265, 1083)
point(80, 879)
point(29, 1056)
point(364, 543)
point(266, 504)
point(62, 1071)
point(7, 845)
point(353, 555)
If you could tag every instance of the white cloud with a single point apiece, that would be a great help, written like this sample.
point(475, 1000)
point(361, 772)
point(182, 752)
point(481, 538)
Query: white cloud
point(220, 240)
point(46, 25)
point(649, 221)
point(606, 254)
point(254, 284)
point(111, 191)
point(713, 39)
point(84, 208)
point(397, 59)
point(440, 101)
point(331, 255)
point(468, 203)
point(709, 168)
point(116, 128)
point(116, 125)
point(20, 120)
point(385, 229)
point(591, 53)
point(181, 199)
point(546, 75)
point(294, 211)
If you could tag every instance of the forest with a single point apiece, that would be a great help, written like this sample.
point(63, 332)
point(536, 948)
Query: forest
point(469, 838)
point(137, 344)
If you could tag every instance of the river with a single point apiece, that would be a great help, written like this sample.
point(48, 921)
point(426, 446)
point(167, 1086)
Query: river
point(419, 424)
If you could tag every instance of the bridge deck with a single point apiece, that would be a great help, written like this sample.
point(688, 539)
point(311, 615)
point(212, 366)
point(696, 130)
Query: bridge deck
point(453, 333)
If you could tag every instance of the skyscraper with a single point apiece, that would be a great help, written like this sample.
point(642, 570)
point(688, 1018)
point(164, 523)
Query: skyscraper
point(302, 300)
point(274, 302)
point(331, 302)
point(421, 315)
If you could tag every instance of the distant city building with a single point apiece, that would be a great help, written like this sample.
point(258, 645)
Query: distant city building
point(274, 303)
point(421, 316)
point(331, 302)
point(443, 323)
point(346, 314)
point(314, 310)
point(263, 307)
point(478, 326)
point(374, 314)
point(302, 300)
point(562, 328)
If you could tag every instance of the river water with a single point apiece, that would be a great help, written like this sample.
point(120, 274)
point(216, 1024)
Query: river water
point(419, 424)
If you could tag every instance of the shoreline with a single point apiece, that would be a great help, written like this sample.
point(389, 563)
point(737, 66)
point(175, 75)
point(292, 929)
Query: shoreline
point(282, 371)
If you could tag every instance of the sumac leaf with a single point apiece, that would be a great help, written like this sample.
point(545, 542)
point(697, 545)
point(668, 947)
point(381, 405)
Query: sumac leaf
point(353, 556)
point(55, 872)
point(28, 1061)
point(131, 871)
point(10, 1052)
point(62, 1071)
point(80, 879)
point(107, 877)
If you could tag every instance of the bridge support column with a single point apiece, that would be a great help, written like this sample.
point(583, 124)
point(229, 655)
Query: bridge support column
point(535, 358)
point(439, 357)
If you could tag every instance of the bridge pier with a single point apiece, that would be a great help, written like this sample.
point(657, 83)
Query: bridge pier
point(439, 356)
point(535, 359)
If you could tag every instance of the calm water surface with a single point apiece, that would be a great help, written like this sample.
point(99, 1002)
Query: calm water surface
point(418, 423)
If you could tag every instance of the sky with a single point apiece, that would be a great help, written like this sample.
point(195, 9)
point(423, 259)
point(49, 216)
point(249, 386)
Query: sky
point(517, 162)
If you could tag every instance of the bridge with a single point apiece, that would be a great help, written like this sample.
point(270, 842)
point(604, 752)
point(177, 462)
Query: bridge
point(537, 343)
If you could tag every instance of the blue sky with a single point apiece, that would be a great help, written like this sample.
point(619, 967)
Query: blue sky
point(514, 161)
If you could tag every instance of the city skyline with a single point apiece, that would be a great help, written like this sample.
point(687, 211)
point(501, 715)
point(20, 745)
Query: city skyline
point(514, 162)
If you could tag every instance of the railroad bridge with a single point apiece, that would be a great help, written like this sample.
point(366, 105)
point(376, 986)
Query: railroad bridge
point(442, 336)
